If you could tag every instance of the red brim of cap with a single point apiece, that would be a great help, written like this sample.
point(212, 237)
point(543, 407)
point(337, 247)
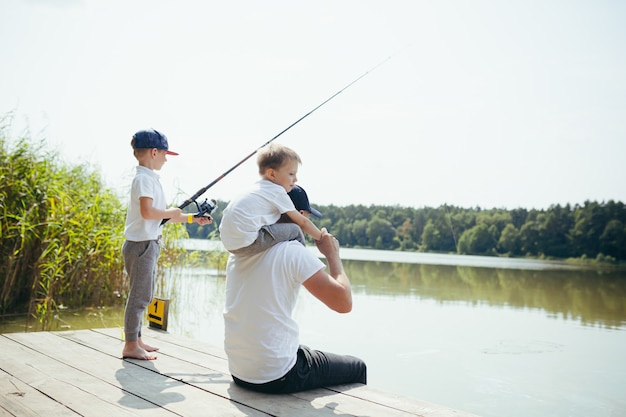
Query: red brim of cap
point(171, 153)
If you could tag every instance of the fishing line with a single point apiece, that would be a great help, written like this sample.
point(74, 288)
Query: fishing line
point(201, 191)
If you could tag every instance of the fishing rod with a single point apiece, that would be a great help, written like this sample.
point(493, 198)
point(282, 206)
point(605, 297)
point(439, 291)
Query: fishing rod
point(207, 207)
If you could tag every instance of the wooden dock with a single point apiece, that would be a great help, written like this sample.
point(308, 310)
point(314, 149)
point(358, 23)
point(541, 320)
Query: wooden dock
point(81, 373)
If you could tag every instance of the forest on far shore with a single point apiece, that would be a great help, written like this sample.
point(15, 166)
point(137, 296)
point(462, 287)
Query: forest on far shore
point(593, 230)
point(43, 199)
point(62, 230)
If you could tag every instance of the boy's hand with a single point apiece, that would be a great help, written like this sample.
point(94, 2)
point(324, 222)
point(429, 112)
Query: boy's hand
point(204, 220)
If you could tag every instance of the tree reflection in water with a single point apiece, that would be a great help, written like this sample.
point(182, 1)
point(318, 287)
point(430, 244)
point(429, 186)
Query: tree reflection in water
point(593, 297)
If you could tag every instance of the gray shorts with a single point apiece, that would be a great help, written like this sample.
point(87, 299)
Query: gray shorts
point(270, 235)
point(140, 260)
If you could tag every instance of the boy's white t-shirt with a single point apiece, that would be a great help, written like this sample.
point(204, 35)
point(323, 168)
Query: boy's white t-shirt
point(244, 216)
point(261, 337)
point(145, 184)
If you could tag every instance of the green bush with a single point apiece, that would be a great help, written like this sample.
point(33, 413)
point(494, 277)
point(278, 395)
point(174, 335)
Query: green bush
point(61, 232)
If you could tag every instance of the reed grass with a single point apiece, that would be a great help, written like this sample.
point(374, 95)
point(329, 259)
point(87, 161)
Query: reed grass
point(174, 258)
point(61, 232)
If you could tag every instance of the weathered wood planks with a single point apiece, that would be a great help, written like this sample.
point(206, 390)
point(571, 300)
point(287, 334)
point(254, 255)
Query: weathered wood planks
point(81, 373)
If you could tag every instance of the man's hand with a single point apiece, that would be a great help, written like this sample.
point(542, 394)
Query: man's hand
point(332, 288)
point(328, 244)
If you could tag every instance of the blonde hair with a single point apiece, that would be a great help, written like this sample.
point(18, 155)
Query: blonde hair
point(274, 156)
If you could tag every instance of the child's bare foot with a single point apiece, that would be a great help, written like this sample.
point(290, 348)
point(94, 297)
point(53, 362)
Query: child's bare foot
point(133, 350)
point(147, 347)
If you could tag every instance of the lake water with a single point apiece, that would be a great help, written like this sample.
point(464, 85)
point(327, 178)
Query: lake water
point(490, 336)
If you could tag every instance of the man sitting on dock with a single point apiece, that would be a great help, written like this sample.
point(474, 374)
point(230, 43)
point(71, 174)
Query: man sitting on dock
point(261, 337)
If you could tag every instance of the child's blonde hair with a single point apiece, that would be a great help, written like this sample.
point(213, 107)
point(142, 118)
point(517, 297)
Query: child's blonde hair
point(274, 156)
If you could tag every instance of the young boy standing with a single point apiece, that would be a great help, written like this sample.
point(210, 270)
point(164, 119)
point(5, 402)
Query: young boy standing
point(248, 223)
point(142, 232)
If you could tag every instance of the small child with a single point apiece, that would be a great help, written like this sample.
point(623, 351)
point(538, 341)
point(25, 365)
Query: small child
point(248, 223)
point(142, 232)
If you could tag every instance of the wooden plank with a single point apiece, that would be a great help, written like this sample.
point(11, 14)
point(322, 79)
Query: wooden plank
point(21, 400)
point(196, 373)
point(354, 399)
point(68, 385)
point(215, 349)
point(82, 372)
point(360, 391)
point(363, 392)
point(146, 382)
point(373, 396)
point(192, 350)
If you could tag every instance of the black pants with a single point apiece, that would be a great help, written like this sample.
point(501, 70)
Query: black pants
point(314, 369)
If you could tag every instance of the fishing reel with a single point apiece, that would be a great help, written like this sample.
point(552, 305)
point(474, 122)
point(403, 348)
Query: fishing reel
point(205, 208)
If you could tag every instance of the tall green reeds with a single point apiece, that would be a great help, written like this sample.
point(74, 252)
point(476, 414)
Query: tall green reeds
point(174, 257)
point(61, 232)
point(61, 235)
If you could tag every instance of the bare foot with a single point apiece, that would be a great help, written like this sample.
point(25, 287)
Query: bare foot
point(147, 347)
point(133, 350)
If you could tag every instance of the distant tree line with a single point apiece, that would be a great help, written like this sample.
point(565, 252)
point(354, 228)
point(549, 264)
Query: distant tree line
point(61, 232)
point(595, 230)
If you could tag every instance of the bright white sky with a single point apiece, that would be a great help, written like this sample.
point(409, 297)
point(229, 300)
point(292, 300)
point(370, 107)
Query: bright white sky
point(483, 103)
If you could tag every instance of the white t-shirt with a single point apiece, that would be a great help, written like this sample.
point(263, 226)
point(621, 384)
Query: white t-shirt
point(145, 184)
point(261, 338)
point(244, 216)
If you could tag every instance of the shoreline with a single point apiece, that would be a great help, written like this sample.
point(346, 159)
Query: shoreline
point(381, 255)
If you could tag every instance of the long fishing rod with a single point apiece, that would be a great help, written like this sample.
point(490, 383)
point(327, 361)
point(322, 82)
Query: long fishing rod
point(207, 208)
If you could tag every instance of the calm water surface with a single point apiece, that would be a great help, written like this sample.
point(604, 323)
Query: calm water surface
point(494, 341)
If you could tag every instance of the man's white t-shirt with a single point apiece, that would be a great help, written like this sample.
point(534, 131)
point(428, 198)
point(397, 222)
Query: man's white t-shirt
point(244, 216)
point(145, 184)
point(261, 337)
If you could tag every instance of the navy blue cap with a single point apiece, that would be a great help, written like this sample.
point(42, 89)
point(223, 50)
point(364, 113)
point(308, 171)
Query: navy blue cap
point(150, 139)
point(301, 200)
